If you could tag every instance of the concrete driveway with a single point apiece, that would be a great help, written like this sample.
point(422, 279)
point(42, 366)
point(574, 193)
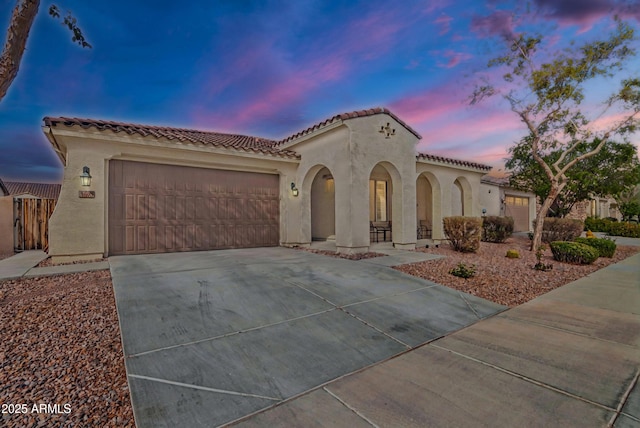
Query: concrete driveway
point(210, 337)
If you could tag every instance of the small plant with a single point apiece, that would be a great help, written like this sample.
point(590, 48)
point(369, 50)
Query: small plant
point(574, 252)
point(541, 266)
point(590, 234)
point(513, 254)
point(463, 271)
point(606, 247)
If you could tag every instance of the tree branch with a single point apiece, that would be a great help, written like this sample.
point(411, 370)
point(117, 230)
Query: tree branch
point(21, 21)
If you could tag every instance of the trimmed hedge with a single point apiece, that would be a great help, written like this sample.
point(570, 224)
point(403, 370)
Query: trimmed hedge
point(613, 228)
point(561, 229)
point(496, 229)
point(605, 247)
point(463, 233)
point(573, 252)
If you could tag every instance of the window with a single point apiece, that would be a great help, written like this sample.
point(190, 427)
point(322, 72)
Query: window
point(517, 201)
point(381, 200)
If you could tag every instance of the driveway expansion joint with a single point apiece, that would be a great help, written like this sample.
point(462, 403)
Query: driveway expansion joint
point(345, 404)
point(563, 330)
point(624, 399)
point(233, 333)
point(202, 388)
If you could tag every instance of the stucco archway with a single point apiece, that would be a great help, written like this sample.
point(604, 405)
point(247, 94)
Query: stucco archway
point(323, 206)
point(385, 204)
point(429, 203)
point(461, 197)
point(311, 200)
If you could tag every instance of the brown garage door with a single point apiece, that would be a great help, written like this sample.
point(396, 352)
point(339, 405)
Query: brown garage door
point(518, 208)
point(157, 208)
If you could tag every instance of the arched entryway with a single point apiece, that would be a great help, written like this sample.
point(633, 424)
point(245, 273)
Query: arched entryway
point(385, 204)
point(428, 206)
point(461, 197)
point(323, 206)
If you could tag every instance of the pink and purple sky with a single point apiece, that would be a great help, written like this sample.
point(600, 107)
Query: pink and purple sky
point(272, 68)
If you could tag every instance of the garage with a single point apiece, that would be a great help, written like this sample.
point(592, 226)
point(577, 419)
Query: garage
point(157, 208)
point(518, 208)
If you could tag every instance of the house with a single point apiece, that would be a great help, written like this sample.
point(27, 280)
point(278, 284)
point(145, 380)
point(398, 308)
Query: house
point(153, 189)
point(25, 209)
point(498, 198)
point(6, 220)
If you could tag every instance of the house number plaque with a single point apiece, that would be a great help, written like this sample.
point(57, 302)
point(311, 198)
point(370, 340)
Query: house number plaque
point(90, 194)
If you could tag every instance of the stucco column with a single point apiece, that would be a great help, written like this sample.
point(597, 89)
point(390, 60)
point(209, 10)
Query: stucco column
point(404, 237)
point(352, 216)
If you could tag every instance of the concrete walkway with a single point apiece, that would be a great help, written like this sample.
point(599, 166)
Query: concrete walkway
point(569, 358)
point(23, 265)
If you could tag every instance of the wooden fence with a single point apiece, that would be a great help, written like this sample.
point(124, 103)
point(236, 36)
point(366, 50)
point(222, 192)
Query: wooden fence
point(31, 223)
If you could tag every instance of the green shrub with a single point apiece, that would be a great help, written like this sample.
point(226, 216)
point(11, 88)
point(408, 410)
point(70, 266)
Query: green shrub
point(561, 229)
point(606, 247)
point(541, 265)
point(595, 224)
point(463, 271)
point(463, 233)
point(513, 254)
point(573, 252)
point(629, 230)
point(496, 229)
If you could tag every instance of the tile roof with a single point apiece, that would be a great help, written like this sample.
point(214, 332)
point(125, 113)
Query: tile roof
point(347, 116)
point(40, 190)
point(498, 181)
point(453, 161)
point(3, 189)
point(205, 138)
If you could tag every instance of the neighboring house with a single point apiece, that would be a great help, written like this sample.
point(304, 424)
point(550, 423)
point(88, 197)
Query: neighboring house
point(157, 189)
point(498, 198)
point(25, 209)
point(6, 220)
point(600, 207)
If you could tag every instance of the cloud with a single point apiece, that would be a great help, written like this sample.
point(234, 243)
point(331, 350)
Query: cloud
point(277, 77)
point(585, 13)
point(499, 23)
point(454, 58)
point(444, 22)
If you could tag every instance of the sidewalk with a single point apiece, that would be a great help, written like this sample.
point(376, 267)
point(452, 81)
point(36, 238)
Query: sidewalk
point(23, 265)
point(569, 358)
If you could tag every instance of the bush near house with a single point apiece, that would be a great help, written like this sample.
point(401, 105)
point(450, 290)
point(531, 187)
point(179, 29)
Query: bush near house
point(613, 228)
point(463, 233)
point(606, 247)
point(561, 229)
point(496, 229)
point(573, 252)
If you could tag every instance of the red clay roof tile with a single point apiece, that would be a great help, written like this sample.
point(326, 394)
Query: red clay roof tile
point(205, 138)
point(452, 161)
point(347, 116)
point(40, 190)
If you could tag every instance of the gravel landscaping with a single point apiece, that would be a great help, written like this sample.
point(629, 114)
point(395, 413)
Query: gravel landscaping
point(61, 351)
point(502, 280)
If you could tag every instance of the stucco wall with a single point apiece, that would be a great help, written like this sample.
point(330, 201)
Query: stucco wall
point(78, 226)
point(6, 224)
point(446, 202)
point(490, 199)
point(323, 207)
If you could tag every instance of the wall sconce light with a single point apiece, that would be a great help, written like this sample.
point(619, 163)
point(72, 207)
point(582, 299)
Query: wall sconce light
point(484, 211)
point(294, 189)
point(387, 131)
point(85, 177)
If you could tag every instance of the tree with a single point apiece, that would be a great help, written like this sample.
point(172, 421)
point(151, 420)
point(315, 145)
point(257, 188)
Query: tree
point(611, 171)
point(547, 94)
point(20, 25)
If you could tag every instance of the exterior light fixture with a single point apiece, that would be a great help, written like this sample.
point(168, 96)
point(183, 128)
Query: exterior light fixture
point(484, 211)
point(294, 189)
point(85, 177)
point(387, 131)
